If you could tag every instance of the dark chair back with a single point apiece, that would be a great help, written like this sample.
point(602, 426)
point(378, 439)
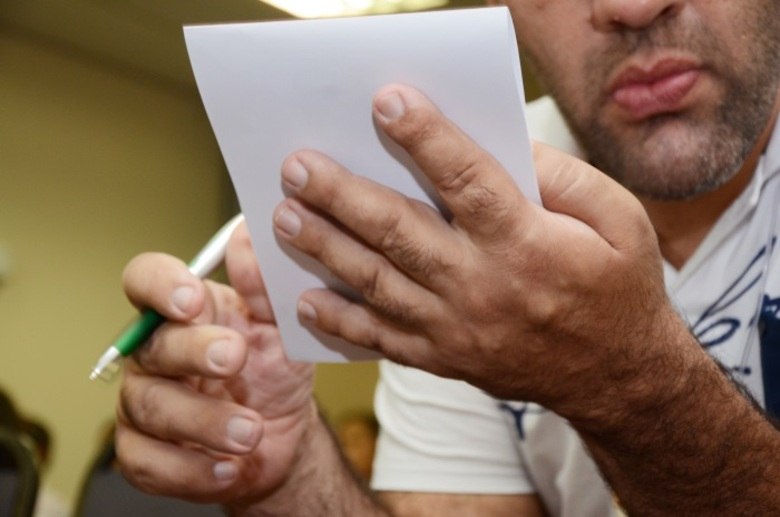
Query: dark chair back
point(106, 492)
point(18, 475)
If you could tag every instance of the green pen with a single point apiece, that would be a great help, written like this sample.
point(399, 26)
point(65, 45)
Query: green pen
point(139, 331)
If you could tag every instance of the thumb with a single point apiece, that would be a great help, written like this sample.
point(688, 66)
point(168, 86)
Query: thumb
point(572, 187)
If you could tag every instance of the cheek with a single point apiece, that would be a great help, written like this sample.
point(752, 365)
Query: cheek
point(556, 43)
point(559, 66)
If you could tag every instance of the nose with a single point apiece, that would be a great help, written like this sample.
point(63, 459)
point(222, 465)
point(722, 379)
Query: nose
point(612, 15)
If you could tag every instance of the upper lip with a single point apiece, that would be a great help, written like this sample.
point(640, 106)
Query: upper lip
point(635, 73)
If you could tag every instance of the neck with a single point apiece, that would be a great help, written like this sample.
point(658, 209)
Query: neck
point(682, 225)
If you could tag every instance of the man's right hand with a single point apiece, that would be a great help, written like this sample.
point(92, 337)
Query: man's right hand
point(211, 409)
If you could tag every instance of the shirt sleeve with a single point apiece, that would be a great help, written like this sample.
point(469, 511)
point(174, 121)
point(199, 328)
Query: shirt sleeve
point(444, 436)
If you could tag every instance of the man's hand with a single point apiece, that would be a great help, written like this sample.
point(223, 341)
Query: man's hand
point(562, 304)
point(211, 409)
point(524, 301)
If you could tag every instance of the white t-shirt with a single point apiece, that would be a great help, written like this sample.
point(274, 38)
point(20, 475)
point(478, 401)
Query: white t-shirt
point(443, 435)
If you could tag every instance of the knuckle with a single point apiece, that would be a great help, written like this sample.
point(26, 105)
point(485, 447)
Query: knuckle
point(461, 177)
point(148, 356)
point(141, 403)
point(373, 338)
point(134, 467)
point(414, 257)
point(139, 474)
point(460, 171)
point(127, 405)
point(389, 229)
point(637, 220)
point(371, 285)
point(152, 406)
point(398, 312)
point(375, 289)
point(480, 200)
point(545, 308)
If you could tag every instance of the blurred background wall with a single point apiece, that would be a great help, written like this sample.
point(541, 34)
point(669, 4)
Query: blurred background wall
point(105, 151)
point(95, 166)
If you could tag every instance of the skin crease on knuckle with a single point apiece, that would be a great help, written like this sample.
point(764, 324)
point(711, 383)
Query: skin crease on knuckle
point(144, 472)
point(460, 173)
point(422, 131)
point(128, 396)
point(147, 406)
point(151, 398)
point(374, 286)
point(142, 476)
point(416, 259)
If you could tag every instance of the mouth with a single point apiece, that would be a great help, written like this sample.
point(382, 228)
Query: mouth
point(641, 92)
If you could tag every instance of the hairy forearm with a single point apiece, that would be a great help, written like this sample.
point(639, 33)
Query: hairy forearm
point(686, 441)
point(322, 483)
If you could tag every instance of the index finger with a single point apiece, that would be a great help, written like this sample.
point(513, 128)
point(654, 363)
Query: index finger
point(245, 276)
point(471, 182)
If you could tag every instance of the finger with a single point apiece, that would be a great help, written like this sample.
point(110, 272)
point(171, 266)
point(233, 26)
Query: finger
point(383, 286)
point(163, 468)
point(474, 186)
point(572, 187)
point(244, 274)
point(410, 233)
point(205, 350)
point(361, 326)
point(170, 411)
point(163, 283)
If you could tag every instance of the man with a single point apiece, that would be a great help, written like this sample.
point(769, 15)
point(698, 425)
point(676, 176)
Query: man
point(564, 306)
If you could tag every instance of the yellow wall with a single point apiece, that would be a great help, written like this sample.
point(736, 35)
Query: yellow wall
point(97, 164)
point(94, 167)
point(343, 388)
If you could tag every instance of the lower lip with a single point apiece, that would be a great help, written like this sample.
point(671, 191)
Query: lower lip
point(666, 95)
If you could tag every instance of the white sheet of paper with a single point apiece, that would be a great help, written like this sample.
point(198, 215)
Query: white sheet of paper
point(272, 88)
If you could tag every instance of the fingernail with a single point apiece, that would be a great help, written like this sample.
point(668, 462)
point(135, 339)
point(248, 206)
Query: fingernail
point(182, 296)
point(288, 222)
point(241, 430)
point(217, 354)
point(295, 174)
point(225, 470)
point(306, 310)
point(390, 106)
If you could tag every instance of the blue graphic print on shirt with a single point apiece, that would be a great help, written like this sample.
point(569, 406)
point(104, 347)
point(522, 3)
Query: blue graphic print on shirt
point(717, 325)
point(713, 327)
point(518, 410)
point(769, 330)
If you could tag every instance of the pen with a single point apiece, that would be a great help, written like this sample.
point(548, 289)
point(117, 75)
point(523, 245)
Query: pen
point(139, 331)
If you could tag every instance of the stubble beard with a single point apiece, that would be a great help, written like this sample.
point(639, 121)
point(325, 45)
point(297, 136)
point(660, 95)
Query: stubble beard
point(682, 155)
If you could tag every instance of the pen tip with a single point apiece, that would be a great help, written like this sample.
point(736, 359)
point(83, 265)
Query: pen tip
point(106, 366)
point(104, 374)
